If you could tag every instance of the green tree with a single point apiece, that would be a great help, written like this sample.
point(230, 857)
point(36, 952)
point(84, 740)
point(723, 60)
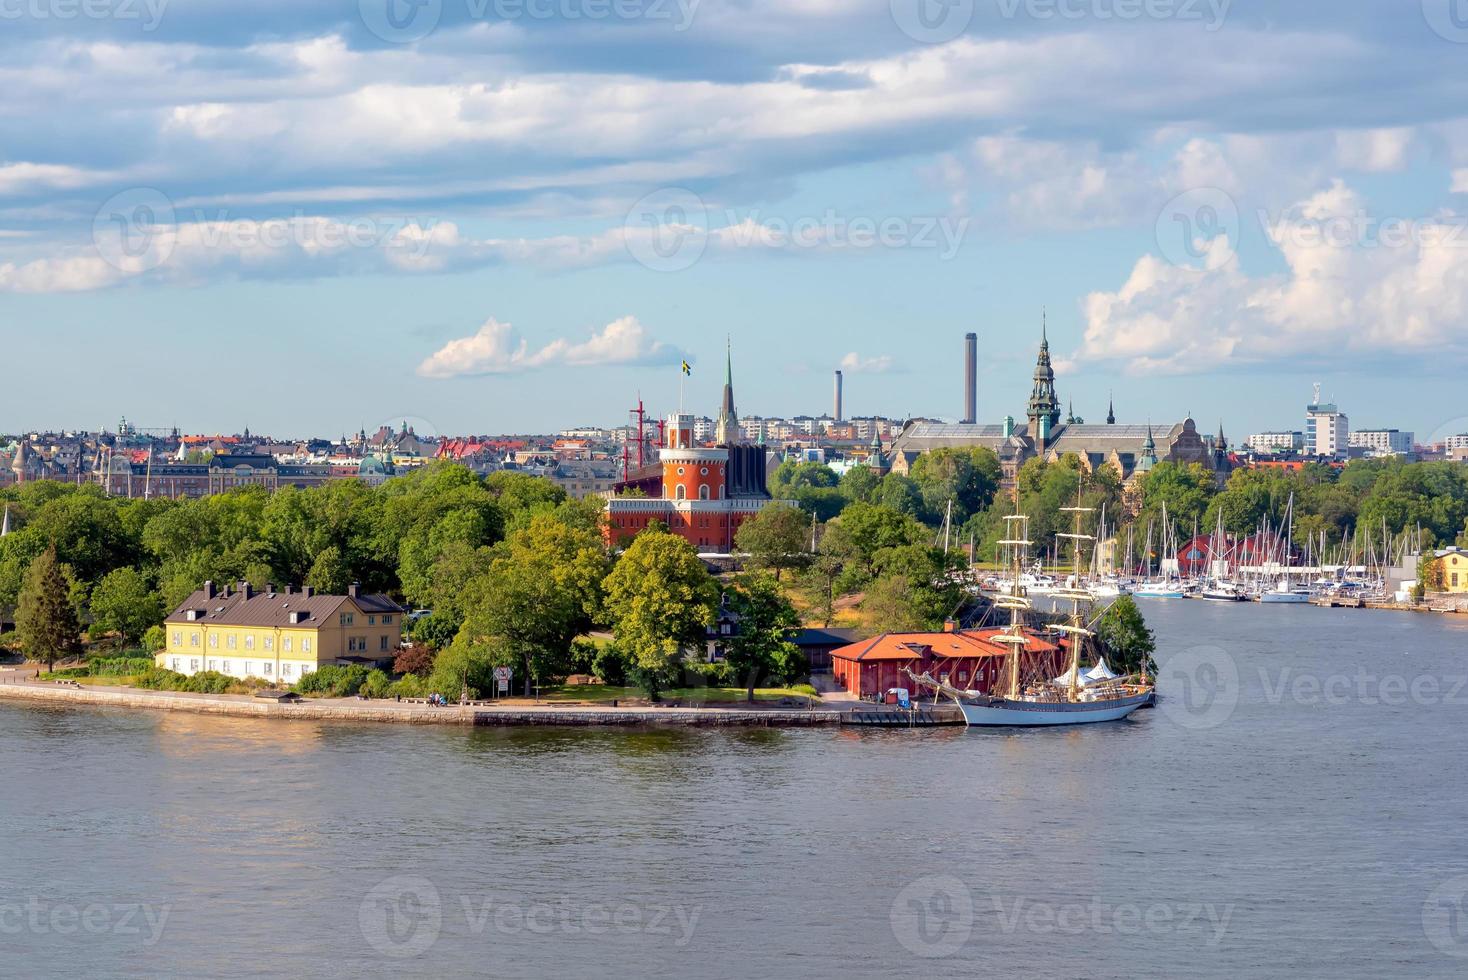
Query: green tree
point(45, 618)
point(660, 600)
point(542, 589)
point(777, 538)
point(124, 602)
point(1125, 638)
point(968, 478)
point(761, 643)
point(861, 483)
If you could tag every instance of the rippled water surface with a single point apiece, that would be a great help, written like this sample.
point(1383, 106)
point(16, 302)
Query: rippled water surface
point(1297, 807)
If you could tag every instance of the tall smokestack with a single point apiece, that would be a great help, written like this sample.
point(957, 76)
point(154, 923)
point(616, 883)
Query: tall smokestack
point(971, 378)
point(837, 413)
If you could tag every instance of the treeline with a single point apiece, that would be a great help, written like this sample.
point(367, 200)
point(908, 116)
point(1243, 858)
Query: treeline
point(513, 570)
point(1366, 494)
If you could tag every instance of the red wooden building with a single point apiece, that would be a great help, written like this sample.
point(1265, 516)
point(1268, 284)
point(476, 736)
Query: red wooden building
point(969, 658)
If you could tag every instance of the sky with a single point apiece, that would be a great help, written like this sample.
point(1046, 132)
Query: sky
point(486, 216)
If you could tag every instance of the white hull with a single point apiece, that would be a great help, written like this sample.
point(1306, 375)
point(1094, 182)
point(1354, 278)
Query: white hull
point(1001, 712)
point(1158, 594)
point(1283, 597)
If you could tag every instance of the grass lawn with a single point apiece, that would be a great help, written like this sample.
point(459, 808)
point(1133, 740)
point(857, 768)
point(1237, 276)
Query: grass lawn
point(602, 694)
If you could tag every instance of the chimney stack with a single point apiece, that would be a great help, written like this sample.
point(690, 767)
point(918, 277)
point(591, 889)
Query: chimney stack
point(354, 590)
point(837, 414)
point(307, 591)
point(247, 590)
point(209, 589)
point(971, 378)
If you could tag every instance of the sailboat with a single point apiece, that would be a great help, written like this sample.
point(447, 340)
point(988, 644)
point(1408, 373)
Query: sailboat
point(1165, 587)
point(1077, 696)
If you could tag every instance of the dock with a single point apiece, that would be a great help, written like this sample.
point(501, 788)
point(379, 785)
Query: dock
point(890, 716)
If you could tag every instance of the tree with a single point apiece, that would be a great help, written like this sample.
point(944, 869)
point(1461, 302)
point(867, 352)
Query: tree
point(1430, 574)
point(1125, 637)
point(416, 659)
point(124, 602)
point(542, 590)
point(889, 608)
point(45, 618)
point(761, 643)
point(660, 600)
point(776, 538)
point(967, 477)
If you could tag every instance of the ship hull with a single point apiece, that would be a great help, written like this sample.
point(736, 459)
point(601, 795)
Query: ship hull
point(1283, 597)
point(1003, 713)
point(1158, 594)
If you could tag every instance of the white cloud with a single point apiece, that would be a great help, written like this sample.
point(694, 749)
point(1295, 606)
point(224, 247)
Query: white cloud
point(1355, 284)
point(854, 363)
point(497, 348)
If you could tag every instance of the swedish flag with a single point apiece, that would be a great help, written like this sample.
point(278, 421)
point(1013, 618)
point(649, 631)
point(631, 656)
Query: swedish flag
point(687, 371)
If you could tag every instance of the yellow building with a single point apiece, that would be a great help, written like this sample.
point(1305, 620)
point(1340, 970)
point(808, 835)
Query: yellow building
point(1454, 564)
point(278, 636)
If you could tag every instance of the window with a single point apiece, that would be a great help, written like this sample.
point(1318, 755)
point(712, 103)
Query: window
point(214, 640)
point(285, 644)
point(193, 639)
point(703, 492)
point(249, 641)
point(387, 621)
point(231, 641)
point(248, 668)
point(176, 667)
point(285, 670)
point(214, 665)
point(681, 493)
point(193, 665)
point(383, 644)
point(268, 668)
point(177, 638)
point(371, 620)
point(270, 643)
point(306, 645)
point(1455, 578)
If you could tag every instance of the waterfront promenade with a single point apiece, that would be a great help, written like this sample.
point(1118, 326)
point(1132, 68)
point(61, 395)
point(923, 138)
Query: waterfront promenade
point(21, 685)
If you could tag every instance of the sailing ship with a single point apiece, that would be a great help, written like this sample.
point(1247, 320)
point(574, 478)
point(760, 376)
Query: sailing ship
point(1078, 696)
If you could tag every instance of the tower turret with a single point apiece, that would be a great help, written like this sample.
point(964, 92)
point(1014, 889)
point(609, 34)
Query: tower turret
point(1044, 409)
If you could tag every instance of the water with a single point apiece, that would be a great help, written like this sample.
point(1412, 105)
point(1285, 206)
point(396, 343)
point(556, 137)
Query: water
point(1306, 821)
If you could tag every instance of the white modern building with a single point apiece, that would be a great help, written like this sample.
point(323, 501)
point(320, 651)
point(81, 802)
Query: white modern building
point(1327, 429)
point(1270, 443)
point(1383, 442)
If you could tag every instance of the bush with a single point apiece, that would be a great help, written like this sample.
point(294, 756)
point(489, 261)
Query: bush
point(119, 666)
point(154, 639)
point(610, 665)
point(204, 682)
point(332, 681)
point(376, 685)
point(409, 686)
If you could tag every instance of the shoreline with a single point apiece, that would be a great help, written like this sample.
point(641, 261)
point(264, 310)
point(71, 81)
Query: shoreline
point(391, 712)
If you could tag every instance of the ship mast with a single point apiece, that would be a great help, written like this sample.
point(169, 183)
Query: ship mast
point(1016, 539)
point(1076, 594)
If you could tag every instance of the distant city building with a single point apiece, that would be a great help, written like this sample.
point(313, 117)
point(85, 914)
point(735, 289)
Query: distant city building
point(1272, 443)
point(1327, 429)
point(1131, 449)
point(1383, 442)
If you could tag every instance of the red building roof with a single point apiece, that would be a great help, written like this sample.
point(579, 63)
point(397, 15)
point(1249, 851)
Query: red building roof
point(906, 646)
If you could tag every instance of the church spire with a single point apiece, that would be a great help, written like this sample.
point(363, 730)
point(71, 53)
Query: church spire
point(1110, 409)
point(726, 430)
point(1044, 408)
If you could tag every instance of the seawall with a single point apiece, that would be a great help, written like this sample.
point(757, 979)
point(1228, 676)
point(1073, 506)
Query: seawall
point(242, 706)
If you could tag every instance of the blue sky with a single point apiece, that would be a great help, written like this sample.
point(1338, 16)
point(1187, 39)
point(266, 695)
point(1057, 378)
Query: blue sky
point(510, 215)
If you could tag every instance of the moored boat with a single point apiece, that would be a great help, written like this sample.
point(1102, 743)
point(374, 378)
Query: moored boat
point(1077, 696)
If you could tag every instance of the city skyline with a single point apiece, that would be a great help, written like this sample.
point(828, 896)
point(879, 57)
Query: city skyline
point(258, 188)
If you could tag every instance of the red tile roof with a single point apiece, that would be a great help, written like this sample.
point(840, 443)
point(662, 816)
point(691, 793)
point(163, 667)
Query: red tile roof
point(966, 643)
